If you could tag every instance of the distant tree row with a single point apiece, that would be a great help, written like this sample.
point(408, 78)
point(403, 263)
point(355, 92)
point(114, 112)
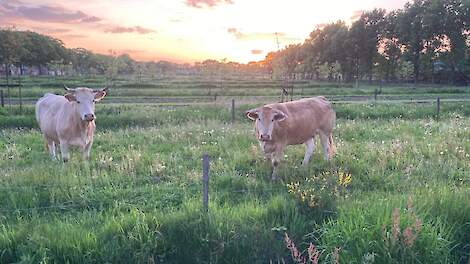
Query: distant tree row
point(27, 52)
point(426, 41)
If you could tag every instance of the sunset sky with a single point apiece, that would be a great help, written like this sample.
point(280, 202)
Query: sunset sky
point(182, 30)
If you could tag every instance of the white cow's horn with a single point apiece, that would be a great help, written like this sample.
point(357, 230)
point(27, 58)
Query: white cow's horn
point(68, 89)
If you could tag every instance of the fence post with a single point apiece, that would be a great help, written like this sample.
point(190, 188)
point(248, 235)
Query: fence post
point(205, 182)
point(2, 99)
point(233, 110)
point(21, 98)
point(375, 94)
point(438, 108)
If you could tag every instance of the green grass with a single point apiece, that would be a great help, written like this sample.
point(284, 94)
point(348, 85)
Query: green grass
point(138, 199)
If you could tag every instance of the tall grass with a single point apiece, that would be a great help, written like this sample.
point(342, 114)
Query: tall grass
point(138, 199)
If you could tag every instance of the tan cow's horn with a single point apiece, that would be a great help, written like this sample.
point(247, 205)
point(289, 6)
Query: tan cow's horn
point(105, 89)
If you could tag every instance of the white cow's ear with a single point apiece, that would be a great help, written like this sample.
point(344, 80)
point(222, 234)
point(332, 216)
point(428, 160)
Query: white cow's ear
point(252, 114)
point(70, 97)
point(100, 94)
point(279, 116)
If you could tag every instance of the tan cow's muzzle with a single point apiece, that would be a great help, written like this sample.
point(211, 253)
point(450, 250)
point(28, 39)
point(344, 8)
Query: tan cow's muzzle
point(264, 137)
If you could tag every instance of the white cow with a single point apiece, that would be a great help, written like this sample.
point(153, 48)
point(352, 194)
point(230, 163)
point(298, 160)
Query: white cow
point(69, 120)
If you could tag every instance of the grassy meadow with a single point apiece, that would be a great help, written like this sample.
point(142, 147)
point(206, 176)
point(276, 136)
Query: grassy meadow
point(397, 191)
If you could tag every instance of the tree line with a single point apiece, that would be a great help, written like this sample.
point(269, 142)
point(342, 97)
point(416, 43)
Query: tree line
point(24, 51)
point(426, 41)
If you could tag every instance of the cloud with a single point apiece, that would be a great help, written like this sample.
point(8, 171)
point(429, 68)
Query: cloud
point(356, 14)
point(51, 30)
point(206, 3)
point(256, 52)
point(91, 19)
point(130, 51)
point(43, 13)
point(73, 36)
point(260, 35)
point(136, 29)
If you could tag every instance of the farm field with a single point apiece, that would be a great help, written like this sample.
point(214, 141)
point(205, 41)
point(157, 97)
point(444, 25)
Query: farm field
point(205, 89)
point(396, 192)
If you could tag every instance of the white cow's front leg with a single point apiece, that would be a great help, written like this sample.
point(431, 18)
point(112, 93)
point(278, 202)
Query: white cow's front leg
point(64, 151)
point(51, 148)
point(310, 147)
point(86, 150)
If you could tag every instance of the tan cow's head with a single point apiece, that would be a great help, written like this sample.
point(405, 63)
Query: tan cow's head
point(85, 99)
point(265, 118)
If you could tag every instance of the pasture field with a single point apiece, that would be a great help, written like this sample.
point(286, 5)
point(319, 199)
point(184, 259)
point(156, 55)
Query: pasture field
point(203, 89)
point(397, 191)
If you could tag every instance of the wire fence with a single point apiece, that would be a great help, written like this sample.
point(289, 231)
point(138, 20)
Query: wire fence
point(148, 181)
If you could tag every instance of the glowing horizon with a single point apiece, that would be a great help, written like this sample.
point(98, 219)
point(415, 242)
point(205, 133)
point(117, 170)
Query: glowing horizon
point(183, 30)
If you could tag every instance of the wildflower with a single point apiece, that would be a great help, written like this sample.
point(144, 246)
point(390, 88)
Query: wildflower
point(336, 254)
point(395, 224)
point(409, 237)
point(296, 255)
point(313, 254)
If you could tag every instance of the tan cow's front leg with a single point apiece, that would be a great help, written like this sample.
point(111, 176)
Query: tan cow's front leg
point(64, 151)
point(276, 158)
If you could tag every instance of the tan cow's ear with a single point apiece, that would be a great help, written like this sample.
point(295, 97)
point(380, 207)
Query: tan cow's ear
point(252, 114)
point(100, 94)
point(70, 97)
point(279, 116)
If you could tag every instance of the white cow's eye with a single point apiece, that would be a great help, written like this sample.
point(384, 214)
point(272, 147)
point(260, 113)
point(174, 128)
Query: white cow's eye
point(78, 102)
point(93, 101)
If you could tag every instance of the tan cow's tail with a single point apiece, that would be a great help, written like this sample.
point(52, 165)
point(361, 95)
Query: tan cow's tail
point(332, 149)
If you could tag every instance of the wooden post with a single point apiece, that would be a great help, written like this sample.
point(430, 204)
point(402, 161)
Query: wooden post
point(21, 98)
point(7, 74)
point(438, 107)
point(292, 92)
point(233, 110)
point(2, 99)
point(205, 182)
point(375, 94)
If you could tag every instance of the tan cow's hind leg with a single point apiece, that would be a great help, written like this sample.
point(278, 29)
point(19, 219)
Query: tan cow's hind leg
point(310, 147)
point(64, 151)
point(332, 146)
point(325, 142)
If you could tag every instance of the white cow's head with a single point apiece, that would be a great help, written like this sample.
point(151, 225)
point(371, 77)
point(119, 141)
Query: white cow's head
point(265, 118)
point(85, 99)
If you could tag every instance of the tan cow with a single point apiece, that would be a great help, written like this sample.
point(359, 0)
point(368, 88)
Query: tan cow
point(298, 122)
point(68, 120)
